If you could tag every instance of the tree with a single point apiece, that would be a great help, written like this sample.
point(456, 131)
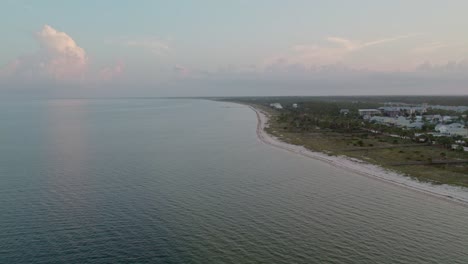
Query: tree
point(445, 141)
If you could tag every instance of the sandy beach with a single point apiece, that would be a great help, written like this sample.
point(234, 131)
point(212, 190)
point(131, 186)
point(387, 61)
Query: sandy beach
point(446, 192)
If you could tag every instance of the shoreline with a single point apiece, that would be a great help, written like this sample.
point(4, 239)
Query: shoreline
point(455, 194)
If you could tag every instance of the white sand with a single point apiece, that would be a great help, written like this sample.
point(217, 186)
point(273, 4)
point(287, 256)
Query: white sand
point(452, 193)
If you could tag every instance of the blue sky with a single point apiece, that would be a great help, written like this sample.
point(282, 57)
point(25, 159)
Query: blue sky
point(189, 48)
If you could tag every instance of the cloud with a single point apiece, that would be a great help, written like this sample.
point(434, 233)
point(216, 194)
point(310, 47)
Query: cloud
point(10, 68)
point(350, 45)
point(109, 73)
point(454, 68)
point(317, 55)
point(64, 58)
point(385, 40)
point(346, 43)
point(59, 58)
point(429, 48)
point(181, 71)
point(335, 50)
point(154, 45)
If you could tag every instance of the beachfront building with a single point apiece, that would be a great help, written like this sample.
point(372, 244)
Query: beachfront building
point(415, 125)
point(276, 105)
point(390, 111)
point(395, 111)
point(344, 111)
point(409, 110)
point(384, 120)
point(367, 113)
point(434, 119)
point(459, 147)
point(448, 119)
point(400, 121)
point(295, 106)
point(454, 129)
point(459, 109)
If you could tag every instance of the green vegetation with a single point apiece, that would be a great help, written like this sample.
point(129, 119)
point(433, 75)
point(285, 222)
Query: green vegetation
point(318, 125)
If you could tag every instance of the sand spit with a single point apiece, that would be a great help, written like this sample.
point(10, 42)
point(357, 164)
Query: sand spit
point(446, 192)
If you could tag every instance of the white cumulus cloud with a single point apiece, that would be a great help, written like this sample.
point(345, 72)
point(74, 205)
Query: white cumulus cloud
point(59, 58)
point(63, 57)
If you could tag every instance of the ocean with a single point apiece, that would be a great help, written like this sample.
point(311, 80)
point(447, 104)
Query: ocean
point(188, 181)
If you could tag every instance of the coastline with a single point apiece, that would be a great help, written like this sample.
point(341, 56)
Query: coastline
point(445, 192)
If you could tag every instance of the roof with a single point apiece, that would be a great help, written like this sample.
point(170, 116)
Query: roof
point(369, 110)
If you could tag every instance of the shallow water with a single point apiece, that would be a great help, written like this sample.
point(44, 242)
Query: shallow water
point(187, 181)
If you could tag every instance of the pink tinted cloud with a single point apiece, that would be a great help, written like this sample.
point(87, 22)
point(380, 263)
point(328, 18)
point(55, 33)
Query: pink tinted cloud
point(10, 68)
point(181, 70)
point(335, 50)
point(59, 58)
point(64, 59)
point(109, 73)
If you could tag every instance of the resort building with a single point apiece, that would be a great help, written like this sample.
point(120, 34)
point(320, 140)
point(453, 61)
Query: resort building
point(276, 105)
point(390, 111)
point(400, 121)
point(368, 112)
point(394, 111)
point(454, 129)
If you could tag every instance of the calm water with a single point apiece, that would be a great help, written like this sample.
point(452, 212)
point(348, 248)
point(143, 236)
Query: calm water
point(187, 181)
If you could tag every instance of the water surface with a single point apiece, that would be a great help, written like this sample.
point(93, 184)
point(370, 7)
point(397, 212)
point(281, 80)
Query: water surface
point(187, 181)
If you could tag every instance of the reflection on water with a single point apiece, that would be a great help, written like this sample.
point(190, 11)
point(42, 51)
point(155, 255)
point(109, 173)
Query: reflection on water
point(65, 152)
point(66, 131)
point(187, 181)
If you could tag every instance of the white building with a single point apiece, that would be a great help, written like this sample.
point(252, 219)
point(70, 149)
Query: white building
point(390, 111)
point(454, 129)
point(368, 112)
point(400, 121)
point(449, 118)
point(459, 147)
point(276, 105)
point(344, 111)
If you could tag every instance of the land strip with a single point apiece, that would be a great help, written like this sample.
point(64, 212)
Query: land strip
point(424, 162)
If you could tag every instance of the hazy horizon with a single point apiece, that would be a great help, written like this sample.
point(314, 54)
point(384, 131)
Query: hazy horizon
point(214, 48)
point(210, 131)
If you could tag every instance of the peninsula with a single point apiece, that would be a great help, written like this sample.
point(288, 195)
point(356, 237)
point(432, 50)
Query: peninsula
point(422, 138)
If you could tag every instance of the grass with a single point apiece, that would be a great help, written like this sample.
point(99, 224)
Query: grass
point(378, 149)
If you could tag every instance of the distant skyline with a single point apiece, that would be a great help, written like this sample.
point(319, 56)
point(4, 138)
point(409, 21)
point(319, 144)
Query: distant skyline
point(232, 48)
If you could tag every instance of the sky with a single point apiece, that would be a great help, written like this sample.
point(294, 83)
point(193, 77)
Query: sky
point(113, 48)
